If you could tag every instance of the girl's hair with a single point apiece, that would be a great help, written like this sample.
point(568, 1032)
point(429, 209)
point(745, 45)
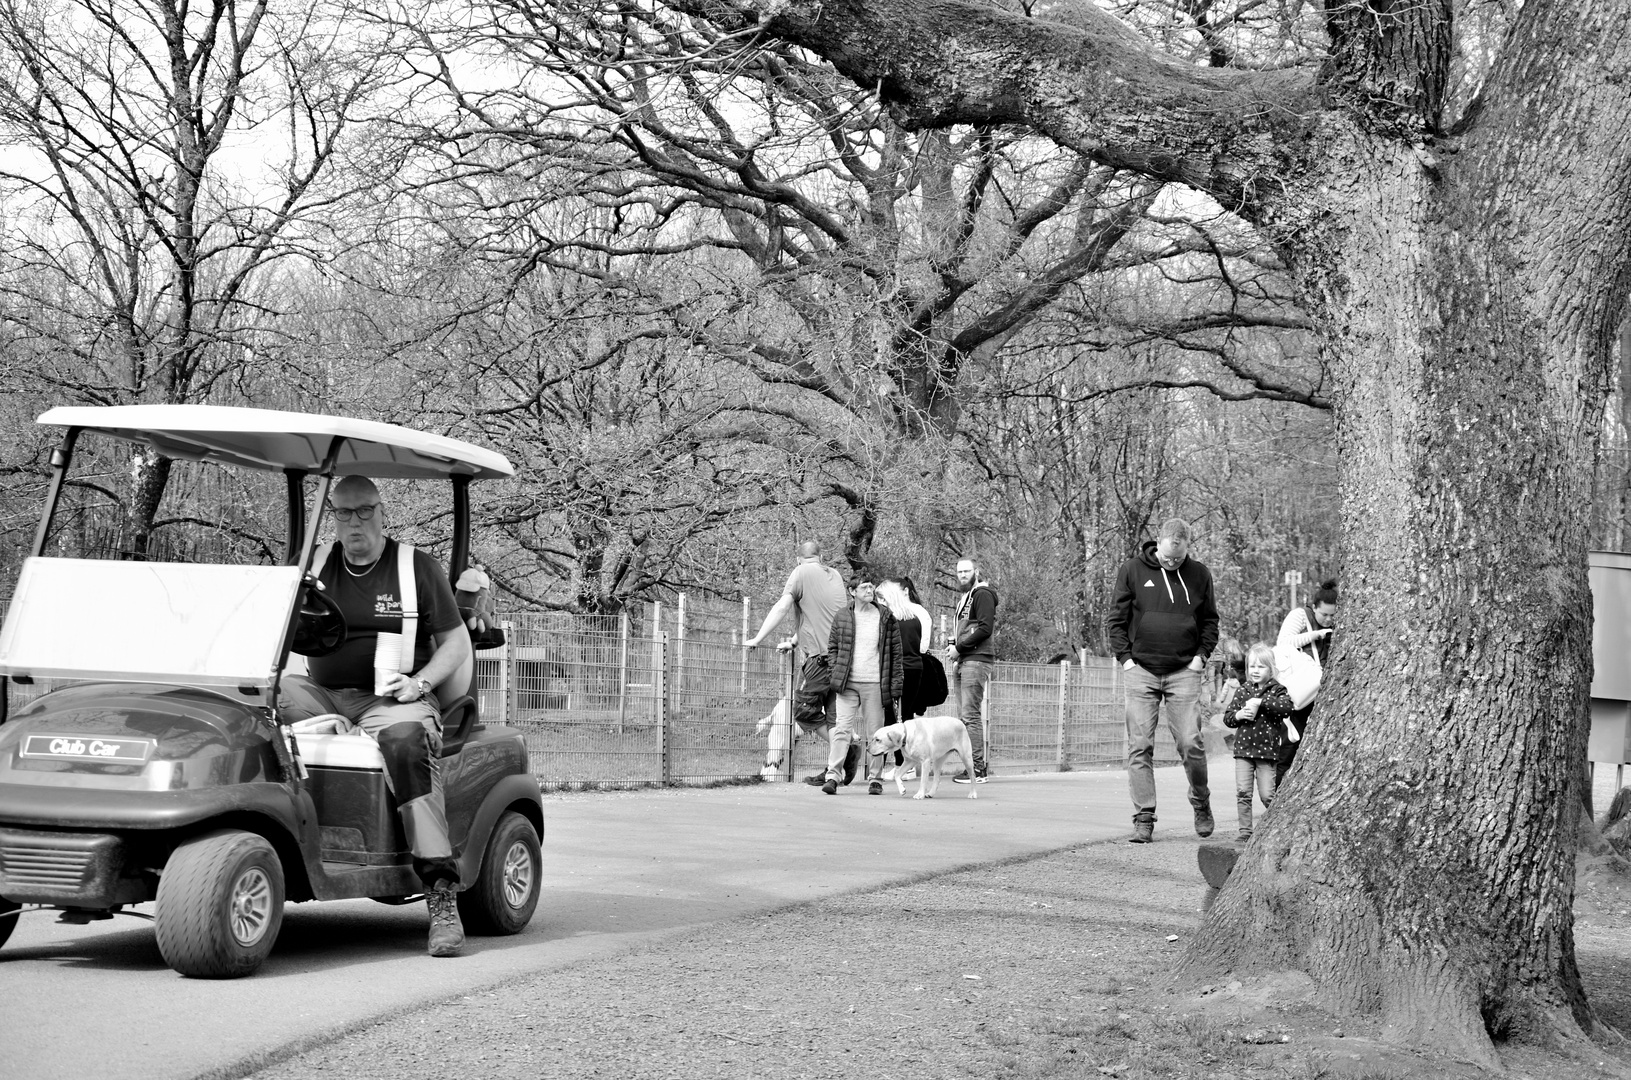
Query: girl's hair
point(894, 598)
point(1261, 652)
point(1326, 593)
point(911, 590)
point(1234, 658)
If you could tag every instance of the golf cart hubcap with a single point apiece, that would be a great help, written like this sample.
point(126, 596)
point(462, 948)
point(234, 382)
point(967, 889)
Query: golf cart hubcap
point(517, 874)
point(251, 906)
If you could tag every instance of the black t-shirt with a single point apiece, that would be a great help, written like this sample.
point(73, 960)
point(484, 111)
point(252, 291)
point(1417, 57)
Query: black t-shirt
point(372, 605)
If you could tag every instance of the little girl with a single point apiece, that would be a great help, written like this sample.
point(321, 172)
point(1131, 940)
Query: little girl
point(1259, 711)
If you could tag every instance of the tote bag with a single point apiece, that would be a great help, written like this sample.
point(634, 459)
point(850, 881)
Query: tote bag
point(1299, 673)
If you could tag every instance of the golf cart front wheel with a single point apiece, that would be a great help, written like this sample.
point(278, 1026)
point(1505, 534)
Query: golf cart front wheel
point(505, 892)
point(219, 905)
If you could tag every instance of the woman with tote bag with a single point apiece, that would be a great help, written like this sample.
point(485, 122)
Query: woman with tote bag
point(1307, 630)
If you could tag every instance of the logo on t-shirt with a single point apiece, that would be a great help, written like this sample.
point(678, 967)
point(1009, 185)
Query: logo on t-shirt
point(1150, 584)
point(387, 604)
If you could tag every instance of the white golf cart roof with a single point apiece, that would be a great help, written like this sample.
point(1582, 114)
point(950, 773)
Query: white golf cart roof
point(200, 624)
point(271, 439)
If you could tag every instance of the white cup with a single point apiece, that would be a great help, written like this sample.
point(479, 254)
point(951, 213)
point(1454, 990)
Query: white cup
point(387, 662)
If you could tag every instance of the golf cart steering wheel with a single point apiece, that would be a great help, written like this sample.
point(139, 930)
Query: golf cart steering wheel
point(319, 624)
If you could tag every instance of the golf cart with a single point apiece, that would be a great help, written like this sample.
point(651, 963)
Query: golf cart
point(158, 767)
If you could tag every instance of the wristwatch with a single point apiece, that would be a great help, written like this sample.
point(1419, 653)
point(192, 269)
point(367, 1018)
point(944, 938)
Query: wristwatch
point(424, 687)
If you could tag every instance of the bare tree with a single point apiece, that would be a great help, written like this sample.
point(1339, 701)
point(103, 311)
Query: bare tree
point(165, 158)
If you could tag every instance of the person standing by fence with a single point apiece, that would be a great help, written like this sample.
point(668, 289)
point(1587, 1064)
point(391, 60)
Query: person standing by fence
point(865, 654)
point(814, 593)
point(898, 595)
point(973, 651)
point(1163, 624)
point(1308, 628)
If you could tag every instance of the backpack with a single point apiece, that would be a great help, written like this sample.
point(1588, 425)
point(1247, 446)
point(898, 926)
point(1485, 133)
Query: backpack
point(815, 683)
point(932, 687)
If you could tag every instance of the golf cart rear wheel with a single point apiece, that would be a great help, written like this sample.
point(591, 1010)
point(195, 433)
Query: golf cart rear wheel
point(8, 917)
point(505, 892)
point(220, 905)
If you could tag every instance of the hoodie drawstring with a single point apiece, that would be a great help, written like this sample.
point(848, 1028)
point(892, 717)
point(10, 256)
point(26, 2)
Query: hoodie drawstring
point(1170, 598)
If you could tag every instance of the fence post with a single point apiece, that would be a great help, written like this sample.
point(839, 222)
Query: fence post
point(746, 607)
point(656, 649)
point(507, 681)
point(622, 670)
point(660, 678)
point(789, 679)
point(987, 707)
point(679, 648)
point(1064, 693)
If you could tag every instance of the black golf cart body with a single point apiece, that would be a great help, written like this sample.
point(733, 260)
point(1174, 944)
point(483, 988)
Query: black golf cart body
point(162, 771)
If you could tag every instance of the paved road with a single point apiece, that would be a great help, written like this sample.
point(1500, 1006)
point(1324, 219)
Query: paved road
point(98, 1001)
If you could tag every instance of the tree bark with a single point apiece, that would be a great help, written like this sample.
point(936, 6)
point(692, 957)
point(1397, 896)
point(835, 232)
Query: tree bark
point(1419, 863)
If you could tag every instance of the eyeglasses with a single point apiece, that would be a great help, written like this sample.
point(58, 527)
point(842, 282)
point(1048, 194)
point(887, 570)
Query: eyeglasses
point(361, 513)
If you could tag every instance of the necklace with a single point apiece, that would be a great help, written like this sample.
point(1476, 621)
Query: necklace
point(347, 564)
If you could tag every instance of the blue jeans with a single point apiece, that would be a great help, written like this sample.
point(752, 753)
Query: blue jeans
point(969, 681)
point(1247, 770)
point(1146, 691)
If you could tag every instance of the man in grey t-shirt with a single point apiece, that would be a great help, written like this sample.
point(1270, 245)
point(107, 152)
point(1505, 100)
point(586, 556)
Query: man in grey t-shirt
point(814, 593)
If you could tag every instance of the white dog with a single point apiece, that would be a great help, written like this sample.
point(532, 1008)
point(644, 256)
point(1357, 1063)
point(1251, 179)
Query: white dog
point(778, 727)
point(927, 740)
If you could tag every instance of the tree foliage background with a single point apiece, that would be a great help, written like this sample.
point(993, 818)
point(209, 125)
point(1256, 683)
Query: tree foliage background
point(702, 290)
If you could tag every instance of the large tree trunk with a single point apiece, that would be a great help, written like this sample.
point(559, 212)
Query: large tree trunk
point(1419, 860)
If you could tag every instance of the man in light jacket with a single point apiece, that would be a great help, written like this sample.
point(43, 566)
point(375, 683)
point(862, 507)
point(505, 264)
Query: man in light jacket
point(1163, 624)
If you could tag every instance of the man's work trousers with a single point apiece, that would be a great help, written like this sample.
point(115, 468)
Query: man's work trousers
point(410, 740)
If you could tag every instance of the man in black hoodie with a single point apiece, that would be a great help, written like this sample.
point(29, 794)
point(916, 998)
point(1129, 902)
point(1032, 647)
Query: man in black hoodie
point(1163, 625)
point(973, 654)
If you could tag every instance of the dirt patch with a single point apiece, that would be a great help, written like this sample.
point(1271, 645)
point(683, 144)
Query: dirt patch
point(1048, 967)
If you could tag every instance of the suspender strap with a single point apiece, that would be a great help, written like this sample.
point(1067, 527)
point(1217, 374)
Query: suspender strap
point(410, 603)
point(407, 584)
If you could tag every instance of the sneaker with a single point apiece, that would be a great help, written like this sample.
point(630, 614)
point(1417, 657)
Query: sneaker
point(852, 761)
point(962, 778)
point(446, 931)
point(816, 780)
point(909, 774)
point(874, 788)
point(830, 787)
point(1143, 832)
point(1243, 836)
point(1203, 821)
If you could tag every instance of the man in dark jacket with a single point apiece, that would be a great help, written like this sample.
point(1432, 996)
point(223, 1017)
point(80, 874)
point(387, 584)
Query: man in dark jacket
point(973, 654)
point(865, 653)
point(1163, 625)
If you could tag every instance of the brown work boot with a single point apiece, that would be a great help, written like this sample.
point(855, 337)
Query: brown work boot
point(446, 931)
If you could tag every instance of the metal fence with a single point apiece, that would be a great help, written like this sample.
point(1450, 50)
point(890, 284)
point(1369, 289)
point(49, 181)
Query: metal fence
point(604, 705)
point(607, 703)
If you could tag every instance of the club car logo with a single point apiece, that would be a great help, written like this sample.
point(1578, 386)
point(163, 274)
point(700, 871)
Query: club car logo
point(87, 748)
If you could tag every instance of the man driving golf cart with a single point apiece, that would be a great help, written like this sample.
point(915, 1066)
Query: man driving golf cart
point(156, 752)
point(391, 698)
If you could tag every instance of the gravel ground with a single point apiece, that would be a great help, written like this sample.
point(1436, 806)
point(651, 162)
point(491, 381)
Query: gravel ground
point(949, 970)
point(1046, 967)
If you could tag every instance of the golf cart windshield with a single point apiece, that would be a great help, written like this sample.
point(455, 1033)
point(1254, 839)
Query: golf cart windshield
point(149, 622)
point(202, 623)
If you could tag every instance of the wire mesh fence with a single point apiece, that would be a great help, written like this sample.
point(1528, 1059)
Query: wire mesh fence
point(609, 702)
point(605, 705)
